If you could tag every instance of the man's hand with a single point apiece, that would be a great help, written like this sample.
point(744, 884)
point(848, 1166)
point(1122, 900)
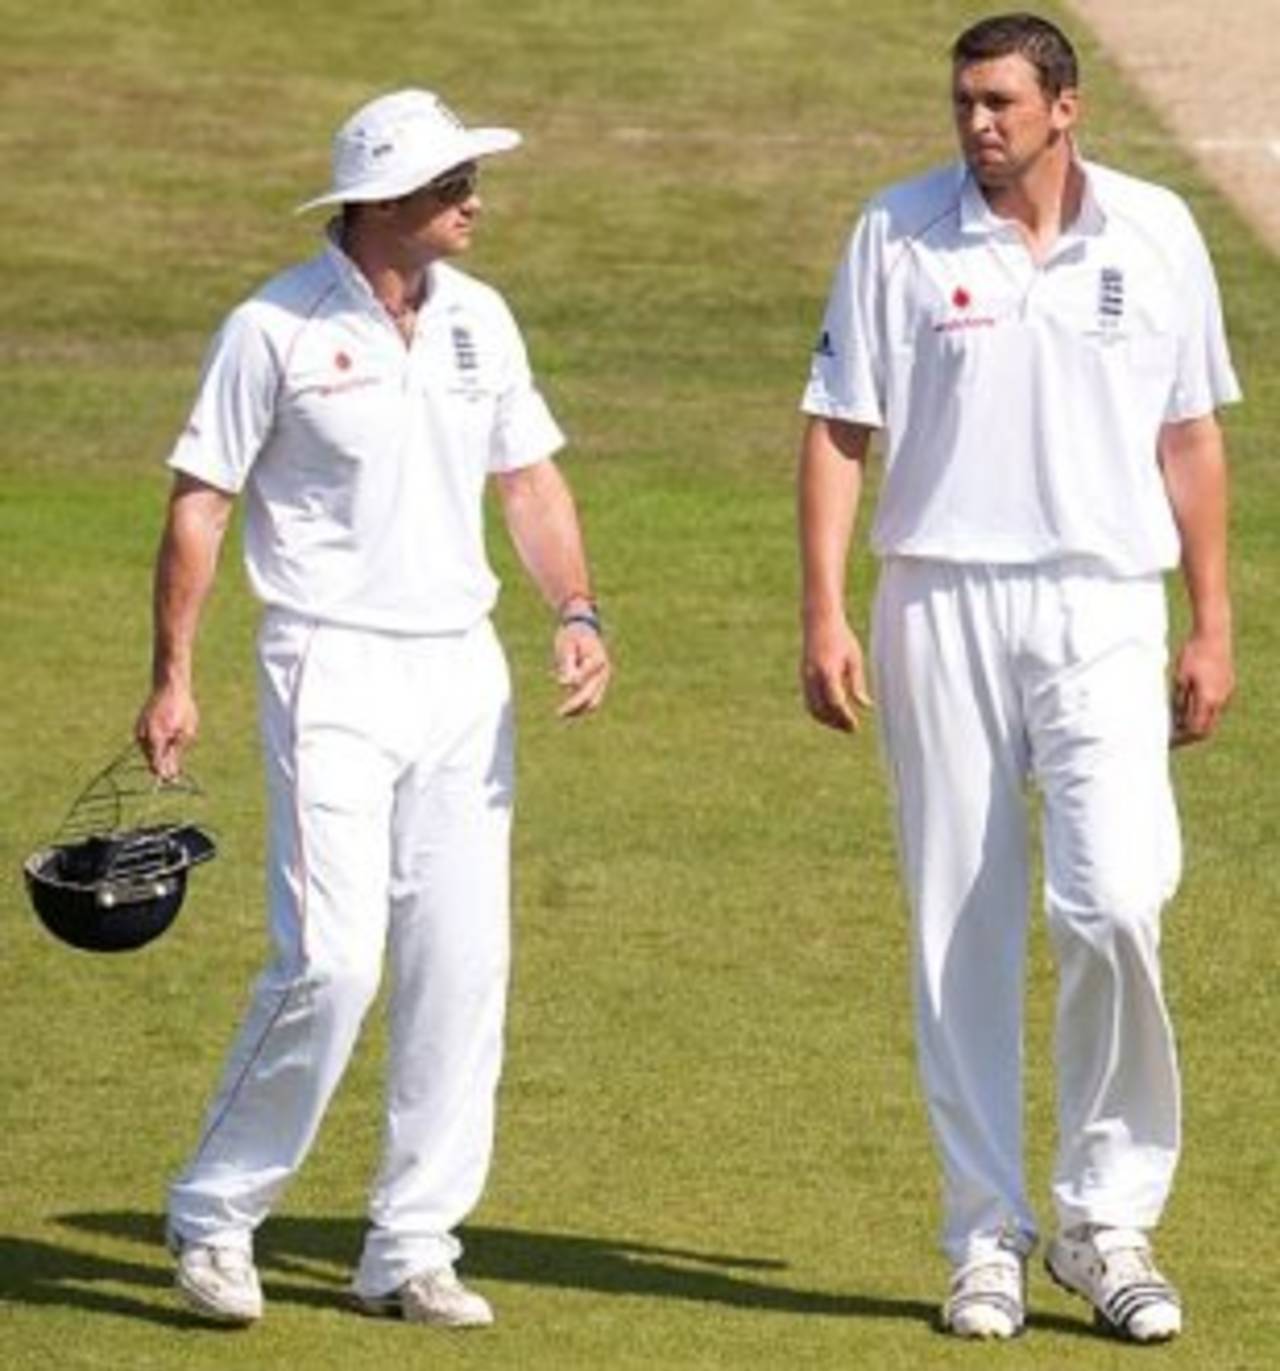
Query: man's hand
point(1203, 683)
point(166, 727)
point(582, 668)
point(833, 676)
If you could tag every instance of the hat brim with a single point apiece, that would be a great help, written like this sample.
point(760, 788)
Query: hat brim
point(469, 145)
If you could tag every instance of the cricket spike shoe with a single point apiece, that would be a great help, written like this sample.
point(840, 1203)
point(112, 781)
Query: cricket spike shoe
point(219, 1283)
point(432, 1297)
point(987, 1298)
point(1114, 1270)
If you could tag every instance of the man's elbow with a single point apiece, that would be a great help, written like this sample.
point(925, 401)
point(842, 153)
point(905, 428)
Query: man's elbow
point(842, 437)
point(535, 484)
point(1199, 438)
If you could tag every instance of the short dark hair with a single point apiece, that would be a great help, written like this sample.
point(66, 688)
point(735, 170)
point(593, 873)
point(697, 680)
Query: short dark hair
point(1043, 44)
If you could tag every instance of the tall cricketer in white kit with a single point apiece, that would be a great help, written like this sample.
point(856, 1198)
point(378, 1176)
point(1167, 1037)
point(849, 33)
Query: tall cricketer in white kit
point(361, 401)
point(1040, 342)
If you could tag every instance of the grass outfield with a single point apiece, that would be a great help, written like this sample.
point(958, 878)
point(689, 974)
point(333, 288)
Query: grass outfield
point(712, 1153)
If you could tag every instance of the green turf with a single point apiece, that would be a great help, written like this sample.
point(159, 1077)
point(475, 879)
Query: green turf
point(712, 1153)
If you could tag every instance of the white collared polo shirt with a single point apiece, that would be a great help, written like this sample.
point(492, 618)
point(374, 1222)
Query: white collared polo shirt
point(363, 461)
point(1022, 403)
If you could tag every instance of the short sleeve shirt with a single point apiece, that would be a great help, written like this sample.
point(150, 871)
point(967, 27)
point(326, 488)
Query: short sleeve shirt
point(363, 461)
point(1022, 403)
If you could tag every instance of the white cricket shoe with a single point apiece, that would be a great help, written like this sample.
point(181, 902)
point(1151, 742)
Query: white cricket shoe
point(435, 1297)
point(219, 1282)
point(1114, 1270)
point(987, 1297)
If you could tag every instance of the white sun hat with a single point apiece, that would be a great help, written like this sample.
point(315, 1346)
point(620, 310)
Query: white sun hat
point(399, 142)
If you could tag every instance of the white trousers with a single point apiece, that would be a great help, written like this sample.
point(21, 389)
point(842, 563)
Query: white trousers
point(389, 777)
point(990, 678)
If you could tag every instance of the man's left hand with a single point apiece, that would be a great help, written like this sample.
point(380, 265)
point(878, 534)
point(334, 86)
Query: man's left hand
point(582, 669)
point(1203, 682)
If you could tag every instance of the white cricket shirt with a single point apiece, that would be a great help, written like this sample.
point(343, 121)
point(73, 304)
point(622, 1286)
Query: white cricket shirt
point(363, 461)
point(1022, 403)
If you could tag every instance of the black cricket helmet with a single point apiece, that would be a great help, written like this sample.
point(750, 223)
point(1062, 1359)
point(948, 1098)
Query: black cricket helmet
point(115, 874)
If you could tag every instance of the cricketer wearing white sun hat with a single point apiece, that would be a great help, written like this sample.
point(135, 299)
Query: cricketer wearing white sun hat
point(362, 402)
point(399, 142)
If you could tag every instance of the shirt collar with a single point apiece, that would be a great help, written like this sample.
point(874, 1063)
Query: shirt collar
point(1092, 218)
point(978, 218)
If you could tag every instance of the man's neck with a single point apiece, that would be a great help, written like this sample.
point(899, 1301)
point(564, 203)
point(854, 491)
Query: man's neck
point(399, 285)
point(1043, 203)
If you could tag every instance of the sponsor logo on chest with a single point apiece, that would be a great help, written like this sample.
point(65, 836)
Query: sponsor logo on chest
point(963, 314)
point(343, 380)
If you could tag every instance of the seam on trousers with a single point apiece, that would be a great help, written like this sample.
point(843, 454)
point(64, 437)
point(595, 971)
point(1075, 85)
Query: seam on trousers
point(295, 692)
point(244, 1072)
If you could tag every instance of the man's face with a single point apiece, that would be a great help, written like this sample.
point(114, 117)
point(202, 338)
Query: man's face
point(438, 219)
point(1005, 120)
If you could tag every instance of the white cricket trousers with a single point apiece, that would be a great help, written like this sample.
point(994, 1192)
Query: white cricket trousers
point(389, 778)
point(990, 679)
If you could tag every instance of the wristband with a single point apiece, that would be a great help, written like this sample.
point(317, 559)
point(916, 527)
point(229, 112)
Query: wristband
point(588, 618)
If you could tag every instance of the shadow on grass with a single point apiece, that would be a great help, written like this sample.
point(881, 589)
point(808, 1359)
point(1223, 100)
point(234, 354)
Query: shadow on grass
point(307, 1261)
point(42, 1273)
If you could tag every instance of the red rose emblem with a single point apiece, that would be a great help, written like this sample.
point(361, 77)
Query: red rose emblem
point(961, 298)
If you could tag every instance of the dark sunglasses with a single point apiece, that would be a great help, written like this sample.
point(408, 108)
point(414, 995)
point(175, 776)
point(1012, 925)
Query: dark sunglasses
point(454, 186)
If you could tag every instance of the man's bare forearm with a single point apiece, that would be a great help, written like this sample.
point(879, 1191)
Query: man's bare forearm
point(1193, 465)
point(542, 519)
point(1194, 468)
point(829, 486)
point(186, 566)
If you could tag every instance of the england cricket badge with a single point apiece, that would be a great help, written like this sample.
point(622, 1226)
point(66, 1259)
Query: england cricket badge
point(1110, 299)
point(465, 359)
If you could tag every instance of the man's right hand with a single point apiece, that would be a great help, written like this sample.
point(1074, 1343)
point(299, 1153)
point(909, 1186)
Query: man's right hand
point(833, 676)
point(166, 727)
